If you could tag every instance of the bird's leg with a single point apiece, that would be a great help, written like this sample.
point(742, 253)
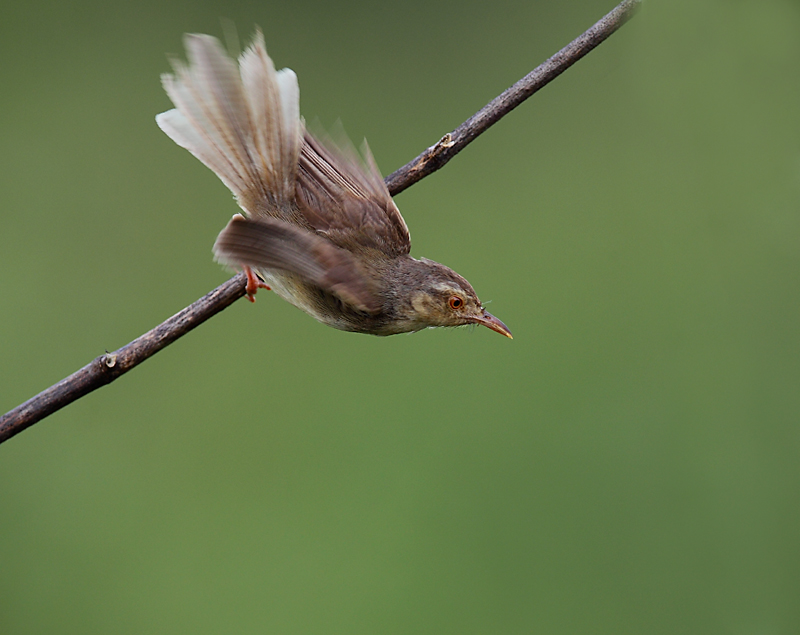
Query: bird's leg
point(253, 284)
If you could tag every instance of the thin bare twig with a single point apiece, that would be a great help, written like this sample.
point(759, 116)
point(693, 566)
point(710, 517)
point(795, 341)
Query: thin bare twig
point(106, 368)
point(453, 142)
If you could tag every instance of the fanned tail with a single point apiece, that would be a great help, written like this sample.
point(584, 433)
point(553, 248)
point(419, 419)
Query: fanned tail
point(242, 122)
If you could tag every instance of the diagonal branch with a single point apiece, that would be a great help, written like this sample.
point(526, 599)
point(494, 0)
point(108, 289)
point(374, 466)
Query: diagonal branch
point(106, 368)
point(453, 142)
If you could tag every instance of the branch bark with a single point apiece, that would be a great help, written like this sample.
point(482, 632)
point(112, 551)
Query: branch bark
point(106, 368)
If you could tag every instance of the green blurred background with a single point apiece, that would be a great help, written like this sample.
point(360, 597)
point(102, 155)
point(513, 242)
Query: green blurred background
point(627, 464)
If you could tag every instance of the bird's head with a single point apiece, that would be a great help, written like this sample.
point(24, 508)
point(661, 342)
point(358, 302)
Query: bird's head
point(441, 297)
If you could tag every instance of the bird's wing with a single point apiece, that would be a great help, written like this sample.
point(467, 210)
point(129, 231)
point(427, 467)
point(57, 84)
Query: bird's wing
point(344, 196)
point(268, 243)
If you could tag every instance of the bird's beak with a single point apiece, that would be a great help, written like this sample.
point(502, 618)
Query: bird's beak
point(493, 323)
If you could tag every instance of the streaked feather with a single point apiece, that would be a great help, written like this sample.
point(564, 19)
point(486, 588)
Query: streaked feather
point(343, 195)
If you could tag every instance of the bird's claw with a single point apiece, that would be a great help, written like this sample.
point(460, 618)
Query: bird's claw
point(253, 284)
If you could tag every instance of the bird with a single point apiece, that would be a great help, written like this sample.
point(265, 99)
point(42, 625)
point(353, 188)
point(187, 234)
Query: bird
point(317, 224)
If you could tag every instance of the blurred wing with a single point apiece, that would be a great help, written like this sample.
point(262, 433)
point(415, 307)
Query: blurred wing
point(268, 243)
point(345, 197)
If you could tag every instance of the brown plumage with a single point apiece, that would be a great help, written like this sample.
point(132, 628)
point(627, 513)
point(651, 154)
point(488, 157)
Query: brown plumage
point(319, 226)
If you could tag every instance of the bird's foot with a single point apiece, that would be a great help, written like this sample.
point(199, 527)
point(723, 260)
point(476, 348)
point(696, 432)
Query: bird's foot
point(253, 284)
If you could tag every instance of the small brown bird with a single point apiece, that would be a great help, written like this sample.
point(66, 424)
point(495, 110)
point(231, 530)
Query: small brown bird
point(319, 226)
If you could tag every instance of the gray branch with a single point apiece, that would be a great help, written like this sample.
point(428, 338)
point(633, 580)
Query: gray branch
point(106, 368)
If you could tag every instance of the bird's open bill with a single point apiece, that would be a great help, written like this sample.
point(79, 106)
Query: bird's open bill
point(493, 323)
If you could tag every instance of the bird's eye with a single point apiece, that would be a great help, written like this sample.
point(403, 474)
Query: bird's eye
point(455, 302)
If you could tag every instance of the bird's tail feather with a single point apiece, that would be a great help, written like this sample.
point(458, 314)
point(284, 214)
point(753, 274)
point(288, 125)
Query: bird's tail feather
point(242, 122)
